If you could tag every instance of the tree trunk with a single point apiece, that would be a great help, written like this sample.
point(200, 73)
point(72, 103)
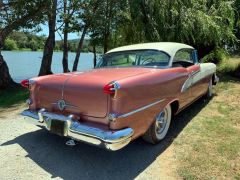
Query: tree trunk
point(5, 78)
point(106, 33)
point(79, 48)
point(50, 43)
point(94, 56)
point(105, 45)
point(65, 40)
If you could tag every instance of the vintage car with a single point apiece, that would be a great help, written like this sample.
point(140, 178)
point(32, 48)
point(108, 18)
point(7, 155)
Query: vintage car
point(134, 91)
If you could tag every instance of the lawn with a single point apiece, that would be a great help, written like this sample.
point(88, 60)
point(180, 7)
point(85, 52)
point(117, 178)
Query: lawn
point(209, 145)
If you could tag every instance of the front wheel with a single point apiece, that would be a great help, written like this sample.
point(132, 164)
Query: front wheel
point(209, 93)
point(158, 130)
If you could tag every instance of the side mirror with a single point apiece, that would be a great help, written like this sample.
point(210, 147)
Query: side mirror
point(195, 56)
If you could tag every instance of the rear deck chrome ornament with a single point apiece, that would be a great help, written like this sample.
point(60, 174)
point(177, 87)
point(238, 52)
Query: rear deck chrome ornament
point(61, 104)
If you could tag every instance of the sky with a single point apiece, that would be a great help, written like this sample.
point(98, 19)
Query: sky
point(57, 36)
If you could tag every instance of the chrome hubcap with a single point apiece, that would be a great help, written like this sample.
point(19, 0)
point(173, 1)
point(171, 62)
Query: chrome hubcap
point(161, 121)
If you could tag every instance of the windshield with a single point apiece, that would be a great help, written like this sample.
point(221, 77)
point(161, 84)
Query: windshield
point(135, 58)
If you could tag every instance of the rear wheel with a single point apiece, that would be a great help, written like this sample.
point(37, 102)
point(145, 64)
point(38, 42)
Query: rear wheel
point(158, 130)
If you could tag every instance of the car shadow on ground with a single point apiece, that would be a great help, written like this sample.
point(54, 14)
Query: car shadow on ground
point(87, 162)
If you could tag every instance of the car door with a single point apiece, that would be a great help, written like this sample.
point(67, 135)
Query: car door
point(190, 89)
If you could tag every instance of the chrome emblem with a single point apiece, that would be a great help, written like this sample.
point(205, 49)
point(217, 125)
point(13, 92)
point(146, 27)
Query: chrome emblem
point(61, 104)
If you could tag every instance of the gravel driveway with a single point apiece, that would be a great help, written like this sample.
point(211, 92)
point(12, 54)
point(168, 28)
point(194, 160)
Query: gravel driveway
point(29, 152)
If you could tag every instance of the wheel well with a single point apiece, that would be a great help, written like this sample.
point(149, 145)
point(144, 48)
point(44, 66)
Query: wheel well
point(174, 106)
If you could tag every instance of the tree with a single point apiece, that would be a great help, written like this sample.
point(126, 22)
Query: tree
point(204, 24)
point(69, 8)
point(50, 42)
point(33, 45)
point(109, 16)
point(10, 45)
point(99, 19)
point(14, 16)
point(86, 15)
point(237, 23)
point(79, 48)
point(65, 34)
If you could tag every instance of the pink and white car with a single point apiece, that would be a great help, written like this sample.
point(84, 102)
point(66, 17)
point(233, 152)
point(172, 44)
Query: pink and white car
point(134, 91)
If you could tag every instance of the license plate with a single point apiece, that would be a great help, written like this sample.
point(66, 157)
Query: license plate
point(57, 127)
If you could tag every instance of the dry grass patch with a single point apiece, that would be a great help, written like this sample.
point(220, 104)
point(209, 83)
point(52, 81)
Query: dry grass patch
point(209, 146)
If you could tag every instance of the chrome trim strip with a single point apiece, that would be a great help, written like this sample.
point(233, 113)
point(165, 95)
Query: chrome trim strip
point(189, 82)
point(109, 139)
point(140, 109)
point(195, 72)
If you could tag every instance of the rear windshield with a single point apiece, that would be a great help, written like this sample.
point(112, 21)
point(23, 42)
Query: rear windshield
point(151, 58)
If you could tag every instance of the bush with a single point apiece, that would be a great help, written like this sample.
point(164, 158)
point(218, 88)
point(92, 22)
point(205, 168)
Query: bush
point(10, 45)
point(216, 56)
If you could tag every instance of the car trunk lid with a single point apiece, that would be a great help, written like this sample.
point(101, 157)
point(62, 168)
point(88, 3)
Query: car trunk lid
point(82, 92)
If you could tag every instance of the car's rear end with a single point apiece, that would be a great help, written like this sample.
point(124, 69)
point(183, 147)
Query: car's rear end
point(78, 105)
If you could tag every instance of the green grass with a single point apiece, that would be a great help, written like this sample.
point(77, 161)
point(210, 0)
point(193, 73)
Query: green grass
point(10, 97)
point(209, 146)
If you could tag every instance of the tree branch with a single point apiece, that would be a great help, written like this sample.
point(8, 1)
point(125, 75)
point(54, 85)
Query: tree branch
point(19, 22)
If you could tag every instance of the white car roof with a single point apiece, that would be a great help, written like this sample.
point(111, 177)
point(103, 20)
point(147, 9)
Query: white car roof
point(169, 47)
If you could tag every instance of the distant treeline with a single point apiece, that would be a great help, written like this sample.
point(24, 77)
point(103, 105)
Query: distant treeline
point(24, 40)
point(73, 44)
point(28, 41)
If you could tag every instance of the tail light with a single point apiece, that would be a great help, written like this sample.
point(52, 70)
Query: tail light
point(111, 88)
point(25, 83)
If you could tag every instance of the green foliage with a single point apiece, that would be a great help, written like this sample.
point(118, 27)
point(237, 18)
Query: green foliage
point(10, 45)
point(203, 24)
point(216, 56)
point(72, 45)
point(33, 45)
point(21, 14)
point(24, 40)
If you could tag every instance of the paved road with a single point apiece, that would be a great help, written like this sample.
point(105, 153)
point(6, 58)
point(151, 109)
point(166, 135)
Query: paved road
point(29, 152)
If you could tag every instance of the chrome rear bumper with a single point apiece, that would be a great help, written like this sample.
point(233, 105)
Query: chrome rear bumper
point(109, 139)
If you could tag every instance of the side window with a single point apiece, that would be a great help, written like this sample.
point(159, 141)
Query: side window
point(184, 55)
point(183, 58)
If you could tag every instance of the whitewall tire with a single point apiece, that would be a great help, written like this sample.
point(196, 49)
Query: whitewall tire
point(159, 129)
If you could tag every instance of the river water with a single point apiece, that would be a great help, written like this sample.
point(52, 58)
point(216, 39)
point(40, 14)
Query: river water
point(26, 64)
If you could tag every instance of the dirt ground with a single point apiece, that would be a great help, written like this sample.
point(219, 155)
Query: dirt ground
point(29, 152)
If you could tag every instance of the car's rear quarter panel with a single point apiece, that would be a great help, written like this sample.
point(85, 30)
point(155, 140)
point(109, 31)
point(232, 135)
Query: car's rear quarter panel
point(142, 90)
